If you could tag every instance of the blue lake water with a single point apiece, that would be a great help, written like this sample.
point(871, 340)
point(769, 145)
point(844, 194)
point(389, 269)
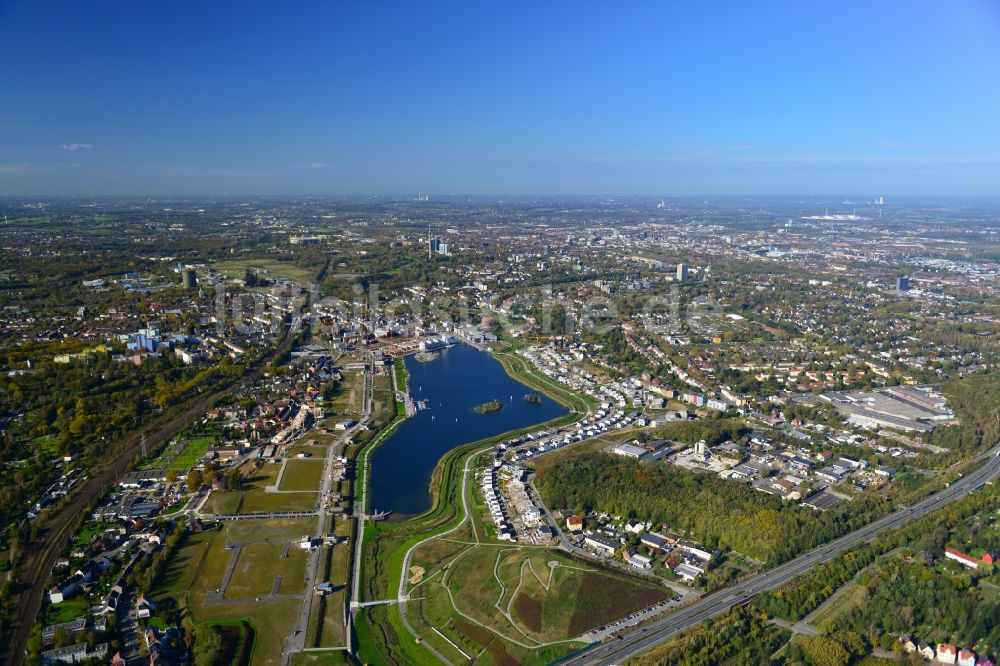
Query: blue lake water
point(453, 384)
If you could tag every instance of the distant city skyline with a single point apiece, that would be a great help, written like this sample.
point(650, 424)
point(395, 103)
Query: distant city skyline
point(896, 98)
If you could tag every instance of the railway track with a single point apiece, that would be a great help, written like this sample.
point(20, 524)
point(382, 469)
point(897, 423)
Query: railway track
point(41, 553)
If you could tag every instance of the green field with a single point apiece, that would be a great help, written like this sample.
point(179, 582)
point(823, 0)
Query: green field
point(255, 498)
point(187, 451)
point(532, 595)
point(260, 563)
point(193, 452)
point(228, 503)
point(198, 567)
point(316, 451)
point(47, 444)
point(584, 448)
point(326, 619)
point(302, 474)
point(330, 658)
point(347, 403)
point(843, 602)
point(66, 611)
point(268, 268)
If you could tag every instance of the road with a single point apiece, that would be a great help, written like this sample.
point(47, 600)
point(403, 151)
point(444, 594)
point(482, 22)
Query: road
point(360, 503)
point(404, 574)
point(716, 604)
point(128, 629)
point(296, 641)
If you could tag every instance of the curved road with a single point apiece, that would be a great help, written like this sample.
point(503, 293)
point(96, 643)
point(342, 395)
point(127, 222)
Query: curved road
point(639, 641)
point(403, 579)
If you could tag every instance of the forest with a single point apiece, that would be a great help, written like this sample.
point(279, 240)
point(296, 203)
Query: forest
point(717, 512)
point(919, 598)
point(928, 534)
point(80, 409)
point(741, 637)
point(975, 399)
point(712, 430)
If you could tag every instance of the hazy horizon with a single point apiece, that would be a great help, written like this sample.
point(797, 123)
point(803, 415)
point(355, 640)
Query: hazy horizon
point(784, 99)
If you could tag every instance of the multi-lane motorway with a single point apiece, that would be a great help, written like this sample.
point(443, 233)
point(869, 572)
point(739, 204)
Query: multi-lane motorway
point(640, 640)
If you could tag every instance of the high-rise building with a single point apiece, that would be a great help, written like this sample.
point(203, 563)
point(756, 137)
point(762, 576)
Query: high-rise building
point(682, 272)
point(902, 283)
point(444, 248)
point(189, 278)
point(435, 245)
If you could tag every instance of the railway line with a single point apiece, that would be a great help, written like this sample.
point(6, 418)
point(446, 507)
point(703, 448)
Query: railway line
point(41, 553)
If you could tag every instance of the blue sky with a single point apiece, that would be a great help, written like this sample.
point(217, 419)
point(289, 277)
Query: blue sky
point(891, 97)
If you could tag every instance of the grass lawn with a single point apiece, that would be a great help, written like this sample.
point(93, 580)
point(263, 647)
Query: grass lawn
point(347, 401)
point(331, 657)
point(366, 652)
point(549, 603)
point(178, 575)
point(193, 452)
point(270, 268)
point(302, 474)
point(66, 611)
point(550, 597)
point(46, 444)
point(333, 619)
point(340, 564)
point(255, 499)
point(315, 451)
point(238, 638)
point(199, 566)
point(257, 502)
point(265, 475)
point(259, 566)
point(326, 617)
point(836, 607)
point(271, 620)
point(553, 459)
point(434, 553)
point(187, 450)
point(223, 503)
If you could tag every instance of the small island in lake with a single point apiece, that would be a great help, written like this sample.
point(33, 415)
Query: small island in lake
point(533, 398)
point(427, 357)
point(488, 407)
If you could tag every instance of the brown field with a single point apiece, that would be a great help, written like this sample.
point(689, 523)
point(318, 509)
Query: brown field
point(491, 643)
point(528, 611)
point(601, 597)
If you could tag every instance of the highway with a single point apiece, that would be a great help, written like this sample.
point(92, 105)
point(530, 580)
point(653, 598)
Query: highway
point(640, 640)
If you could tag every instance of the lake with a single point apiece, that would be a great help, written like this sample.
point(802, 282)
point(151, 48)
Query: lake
point(453, 385)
